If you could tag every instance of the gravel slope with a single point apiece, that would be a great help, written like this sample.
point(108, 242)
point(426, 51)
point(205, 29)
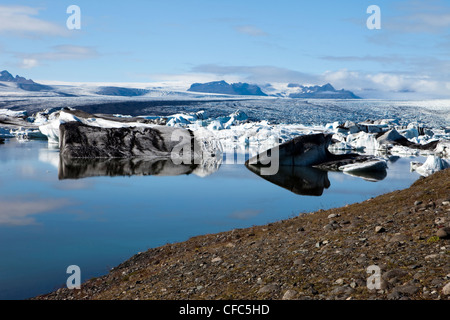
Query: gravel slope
point(323, 255)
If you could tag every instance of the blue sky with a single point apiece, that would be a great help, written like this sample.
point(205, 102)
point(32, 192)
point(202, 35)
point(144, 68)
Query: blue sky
point(309, 42)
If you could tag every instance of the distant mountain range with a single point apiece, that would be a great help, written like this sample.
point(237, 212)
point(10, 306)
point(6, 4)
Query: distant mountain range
point(240, 89)
point(22, 83)
point(327, 91)
point(291, 90)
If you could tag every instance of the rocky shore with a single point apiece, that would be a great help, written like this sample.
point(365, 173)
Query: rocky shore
point(320, 255)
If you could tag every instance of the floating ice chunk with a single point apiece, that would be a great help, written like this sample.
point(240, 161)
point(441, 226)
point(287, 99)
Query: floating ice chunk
point(431, 165)
point(372, 165)
point(202, 115)
point(13, 114)
point(340, 146)
point(215, 125)
point(363, 141)
point(25, 134)
point(180, 119)
point(443, 148)
point(409, 133)
point(332, 126)
point(403, 151)
point(51, 129)
point(5, 133)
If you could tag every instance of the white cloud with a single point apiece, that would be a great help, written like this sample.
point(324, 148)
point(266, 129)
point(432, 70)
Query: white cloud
point(383, 82)
point(420, 17)
point(256, 73)
point(19, 212)
point(28, 63)
point(245, 214)
point(251, 30)
point(61, 52)
point(21, 20)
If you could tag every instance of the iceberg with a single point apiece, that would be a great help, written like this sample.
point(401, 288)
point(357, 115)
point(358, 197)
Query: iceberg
point(431, 165)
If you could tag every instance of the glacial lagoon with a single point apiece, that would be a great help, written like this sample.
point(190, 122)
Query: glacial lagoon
point(55, 213)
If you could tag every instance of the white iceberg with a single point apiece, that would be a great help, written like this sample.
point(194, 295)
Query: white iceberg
point(431, 165)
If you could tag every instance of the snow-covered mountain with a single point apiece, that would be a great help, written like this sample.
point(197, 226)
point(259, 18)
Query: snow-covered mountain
point(286, 90)
point(222, 87)
point(21, 82)
point(20, 86)
point(295, 90)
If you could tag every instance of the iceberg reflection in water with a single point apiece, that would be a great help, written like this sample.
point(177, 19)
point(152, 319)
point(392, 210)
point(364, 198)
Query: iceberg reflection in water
point(78, 168)
point(309, 181)
point(299, 180)
point(376, 175)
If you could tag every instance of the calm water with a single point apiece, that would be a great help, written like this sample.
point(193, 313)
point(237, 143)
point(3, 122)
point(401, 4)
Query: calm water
point(48, 223)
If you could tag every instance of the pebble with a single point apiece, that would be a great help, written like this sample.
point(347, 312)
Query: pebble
point(446, 289)
point(416, 203)
point(443, 233)
point(289, 295)
point(408, 289)
point(269, 288)
point(379, 229)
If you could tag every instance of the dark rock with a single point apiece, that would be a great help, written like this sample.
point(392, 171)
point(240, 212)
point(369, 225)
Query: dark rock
point(343, 290)
point(443, 233)
point(399, 238)
point(406, 290)
point(269, 288)
point(394, 273)
point(395, 295)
